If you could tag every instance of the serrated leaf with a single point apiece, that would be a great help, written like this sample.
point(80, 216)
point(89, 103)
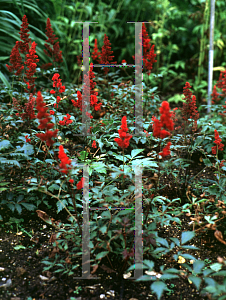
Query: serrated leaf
point(149, 263)
point(158, 287)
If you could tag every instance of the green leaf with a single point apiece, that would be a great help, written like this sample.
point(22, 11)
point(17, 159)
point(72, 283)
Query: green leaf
point(146, 278)
point(198, 265)
point(187, 236)
point(158, 287)
point(29, 206)
point(196, 280)
point(134, 152)
point(188, 256)
point(4, 144)
point(220, 273)
point(216, 267)
point(106, 214)
point(5, 81)
point(176, 241)
point(149, 263)
point(101, 254)
point(162, 242)
point(103, 229)
point(168, 276)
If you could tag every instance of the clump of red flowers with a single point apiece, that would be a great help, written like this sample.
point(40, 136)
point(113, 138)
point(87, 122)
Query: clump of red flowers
point(44, 119)
point(217, 142)
point(165, 122)
point(123, 141)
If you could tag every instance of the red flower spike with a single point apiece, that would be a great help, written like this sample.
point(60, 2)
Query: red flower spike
point(96, 54)
point(55, 53)
point(166, 150)
point(24, 46)
point(31, 60)
point(215, 95)
point(64, 160)
point(44, 118)
point(106, 57)
point(123, 141)
point(217, 142)
point(15, 60)
point(189, 110)
point(80, 184)
point(147, 53)
point(29, 109)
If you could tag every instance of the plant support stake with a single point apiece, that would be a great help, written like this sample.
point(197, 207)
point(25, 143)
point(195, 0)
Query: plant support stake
point(211, 51)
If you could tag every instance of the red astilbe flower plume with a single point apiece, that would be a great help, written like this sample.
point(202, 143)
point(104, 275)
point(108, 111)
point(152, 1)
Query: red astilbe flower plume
point(96, 54)
point(15, 60)
point(147, 53)
point(93, 94)
point(92, 83)
point(165, 151)
point(146, 40)
point(224, 86)
point(123, 141)
point(64, 160)
point(217, 142)
point(165, 121)
point(29, 109)
point(54, 52)
point(24, 46)
point(31, 60)
point(44, 118)
point(215, 95)
point(106, 57)
point(189, 110)
point(80, 184)
point(223, 114)
point(166, 115)
point(151, 57)
point(220, 83)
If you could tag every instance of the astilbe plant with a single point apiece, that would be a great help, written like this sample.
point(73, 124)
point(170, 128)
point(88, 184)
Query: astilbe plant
point(31, 60)
point(123, 141)
point(189, 110)
point(54, 51)
point(44, 119)
point(93, 95)
point(148, 54)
